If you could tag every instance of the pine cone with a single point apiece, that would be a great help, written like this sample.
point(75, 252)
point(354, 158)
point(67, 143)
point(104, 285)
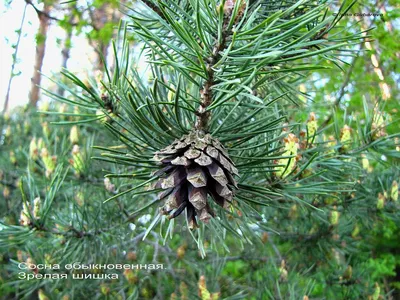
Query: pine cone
point(194, 167)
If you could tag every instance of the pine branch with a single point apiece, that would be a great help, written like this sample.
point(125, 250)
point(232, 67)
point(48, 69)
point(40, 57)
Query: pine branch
point(341, 91)
point(5, 108)
point(72, 232)
point(154, 8)
point(203, 116)
point(43, 14)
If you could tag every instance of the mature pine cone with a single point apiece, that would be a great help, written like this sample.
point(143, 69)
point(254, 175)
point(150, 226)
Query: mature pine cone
point(194, 167)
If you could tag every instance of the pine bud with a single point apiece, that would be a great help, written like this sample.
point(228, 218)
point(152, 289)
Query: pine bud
point(397, 143)
point(8, 132)
point(44, 105)
point(264, 237)
point(312, 127)
point(62, 108)
point(394, 194)
point(13, 158)
point(365, 163)
point(314, 229)
point(180, 253)
point(79, 198)
point(40, 144)
point(348, 273)
point(183, 290)
point(331, 144)
point(18, 129)
point(6, 116)
point(105, 289)
point(27, 126)
point(48, 259)
point(288, 164)
point(204, 294)
point(131, 256)
point(206, 245)
point(356, 231)
point(228, 6)
point(108, 185)
point(6, 192)
point(24, 218)
point(345, 137)
point(74, 135)
point(48, 161)
point(20, 255)
point(77, 160)
point(36, 208)
point(381, 201)
point(130, 276)
point(378, 125)
point(283, 273)
point(337, 256)
point(171, 94)
point(334, 217)
point(18, 182)
point(146, 293)
point(42, 295)
point(293, 213)
point(305, 297)
point(33, 150)
point(377, 292)
point(45, 129)
point(303, 90)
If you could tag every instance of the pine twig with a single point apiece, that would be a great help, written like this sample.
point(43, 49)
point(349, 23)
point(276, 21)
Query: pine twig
point(341, 91)
point(154, 8)
point(14, 61)
point(71, 232)
point(203, 115)
point(41, 13)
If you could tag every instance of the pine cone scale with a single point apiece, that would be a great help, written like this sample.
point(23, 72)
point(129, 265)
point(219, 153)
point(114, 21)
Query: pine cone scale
point(196, 177)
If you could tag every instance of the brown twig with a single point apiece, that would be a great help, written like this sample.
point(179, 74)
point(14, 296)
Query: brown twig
point(41, 13)
point(154, 8)
point(5, 108)
point(341, 91)
point(206, 94)
point(71, 232)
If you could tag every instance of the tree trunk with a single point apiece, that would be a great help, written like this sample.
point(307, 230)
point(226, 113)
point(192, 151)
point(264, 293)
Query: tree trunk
point(102, 53)
point(65, 52)
point(40, 52)
point(107, 13)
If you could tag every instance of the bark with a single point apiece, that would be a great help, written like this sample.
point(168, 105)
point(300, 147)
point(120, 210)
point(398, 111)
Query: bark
point(65, 54)
point(44, 22)
point(102, 53)
point(100, 17)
